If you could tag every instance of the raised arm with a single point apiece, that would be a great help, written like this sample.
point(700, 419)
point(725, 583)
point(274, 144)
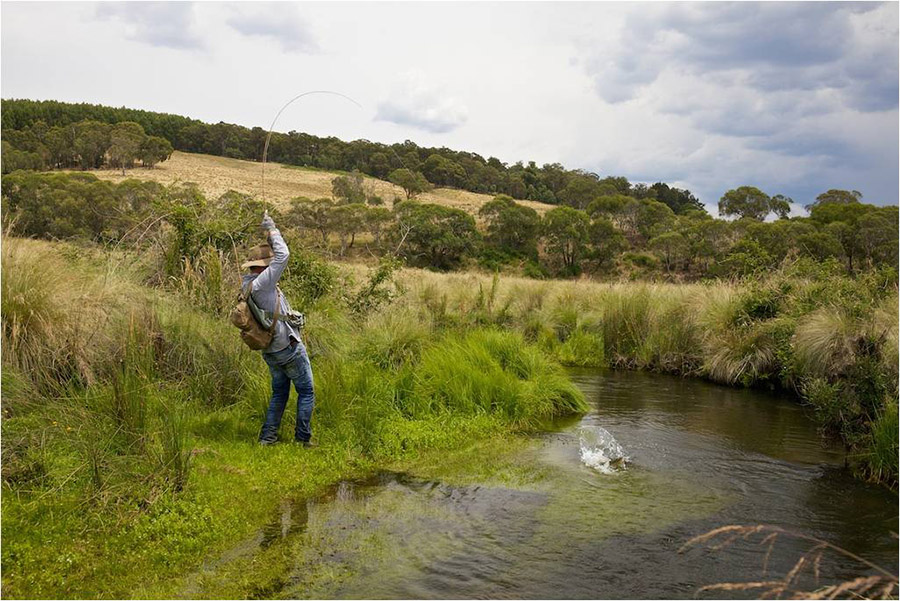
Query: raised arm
point(271, 274)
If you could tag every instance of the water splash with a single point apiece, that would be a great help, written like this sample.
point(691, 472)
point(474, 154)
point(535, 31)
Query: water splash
point(599, 450)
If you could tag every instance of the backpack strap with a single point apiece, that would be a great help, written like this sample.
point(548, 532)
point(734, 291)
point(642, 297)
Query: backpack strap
point(262, 316)
point(277, 310)
point(274, 315)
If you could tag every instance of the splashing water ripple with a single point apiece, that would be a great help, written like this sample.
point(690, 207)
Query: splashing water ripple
point(599, 450)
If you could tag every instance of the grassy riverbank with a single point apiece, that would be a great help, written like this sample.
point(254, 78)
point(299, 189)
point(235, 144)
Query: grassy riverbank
point(130, 412)
point(130, 420)
point(808, 329)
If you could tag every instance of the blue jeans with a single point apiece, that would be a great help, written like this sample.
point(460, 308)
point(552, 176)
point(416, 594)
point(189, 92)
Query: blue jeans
point(289, 365)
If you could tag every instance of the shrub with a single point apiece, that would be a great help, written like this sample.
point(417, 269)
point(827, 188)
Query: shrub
point(307, 279)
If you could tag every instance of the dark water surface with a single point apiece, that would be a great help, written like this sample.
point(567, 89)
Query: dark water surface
point(544, 525)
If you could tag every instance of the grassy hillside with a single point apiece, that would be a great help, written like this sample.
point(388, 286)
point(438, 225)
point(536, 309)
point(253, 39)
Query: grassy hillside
point(216, 175)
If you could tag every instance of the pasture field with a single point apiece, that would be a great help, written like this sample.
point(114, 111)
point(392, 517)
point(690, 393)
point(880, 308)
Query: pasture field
point(216, 175)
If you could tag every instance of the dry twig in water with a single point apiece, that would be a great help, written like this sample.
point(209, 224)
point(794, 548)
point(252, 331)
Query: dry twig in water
point(881, 585)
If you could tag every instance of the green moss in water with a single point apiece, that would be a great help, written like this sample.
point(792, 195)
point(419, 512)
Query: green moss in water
point(498, 505)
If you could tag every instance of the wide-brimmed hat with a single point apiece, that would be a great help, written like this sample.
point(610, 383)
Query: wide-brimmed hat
point(259, 256)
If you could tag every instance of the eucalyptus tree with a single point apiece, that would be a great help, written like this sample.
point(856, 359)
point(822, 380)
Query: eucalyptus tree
point(566, 232)
point(752, 203)
point(512, 229)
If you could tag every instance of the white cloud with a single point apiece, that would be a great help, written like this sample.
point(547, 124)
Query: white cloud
point(416, 102)
point(780, 91)
point(160, 24)
point(278, 21)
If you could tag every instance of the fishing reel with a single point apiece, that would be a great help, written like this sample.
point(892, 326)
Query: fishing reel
point(295, 319)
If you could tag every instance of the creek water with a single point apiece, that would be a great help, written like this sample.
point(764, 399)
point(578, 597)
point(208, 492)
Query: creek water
point(540, 520)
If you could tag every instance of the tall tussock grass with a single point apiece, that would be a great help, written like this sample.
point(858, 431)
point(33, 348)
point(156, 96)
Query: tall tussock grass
point(391, 339)
point(741, 356)
point(80, 361)
point(55, 321)
point(208, 281)
point(199, 351)
point(828, 341)
point(881, 463)
point(626, 322)
point(491, 372)
point(488, 376)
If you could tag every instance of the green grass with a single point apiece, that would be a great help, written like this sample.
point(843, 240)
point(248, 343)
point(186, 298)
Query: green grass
point(882, 461)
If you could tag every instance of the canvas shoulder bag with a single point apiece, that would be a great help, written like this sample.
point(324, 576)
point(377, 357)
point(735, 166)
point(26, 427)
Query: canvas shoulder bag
point(246, 317)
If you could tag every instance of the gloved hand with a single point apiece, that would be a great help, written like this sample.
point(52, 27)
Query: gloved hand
point(267, 223)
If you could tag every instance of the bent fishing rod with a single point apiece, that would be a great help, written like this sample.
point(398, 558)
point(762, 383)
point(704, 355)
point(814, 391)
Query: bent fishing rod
point(272, 128)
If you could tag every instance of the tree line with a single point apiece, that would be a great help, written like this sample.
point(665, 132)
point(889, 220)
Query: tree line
point(85, 144)
point(550, 183)
point(614, 236)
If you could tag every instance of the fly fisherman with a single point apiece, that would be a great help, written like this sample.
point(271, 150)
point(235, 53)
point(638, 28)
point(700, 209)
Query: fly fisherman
point(285, 355)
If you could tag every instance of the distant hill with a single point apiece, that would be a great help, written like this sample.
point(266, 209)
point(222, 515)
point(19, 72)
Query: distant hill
point(216, 175)
point(550, 183)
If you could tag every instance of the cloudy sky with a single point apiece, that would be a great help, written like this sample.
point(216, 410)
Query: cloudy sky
point(794, 98)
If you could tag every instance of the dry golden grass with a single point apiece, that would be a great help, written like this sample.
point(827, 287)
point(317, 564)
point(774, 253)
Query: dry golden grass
point(216, 175)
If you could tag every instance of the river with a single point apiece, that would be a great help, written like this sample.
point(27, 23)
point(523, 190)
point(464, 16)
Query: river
point(533, 521)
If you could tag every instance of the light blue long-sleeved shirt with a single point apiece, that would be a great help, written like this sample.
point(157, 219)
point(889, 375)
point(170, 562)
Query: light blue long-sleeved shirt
point(264, 294)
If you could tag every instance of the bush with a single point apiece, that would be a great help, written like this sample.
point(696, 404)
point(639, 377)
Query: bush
point(433, 235)
point(307, 278)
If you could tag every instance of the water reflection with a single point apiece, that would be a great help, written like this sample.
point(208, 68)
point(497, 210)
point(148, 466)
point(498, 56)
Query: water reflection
point(291, 519)
point(752, 421)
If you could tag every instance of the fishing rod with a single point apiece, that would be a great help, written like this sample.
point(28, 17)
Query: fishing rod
point(272, 128)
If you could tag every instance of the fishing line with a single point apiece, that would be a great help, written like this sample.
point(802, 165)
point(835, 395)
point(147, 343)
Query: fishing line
point(272, 128)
